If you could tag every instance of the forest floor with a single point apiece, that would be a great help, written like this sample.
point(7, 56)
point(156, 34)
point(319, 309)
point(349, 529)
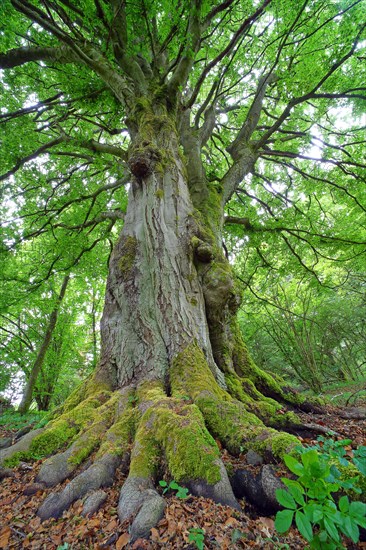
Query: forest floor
point(223, 527)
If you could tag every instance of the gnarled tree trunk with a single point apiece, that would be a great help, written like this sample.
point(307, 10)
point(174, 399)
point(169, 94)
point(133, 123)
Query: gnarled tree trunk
point(174, 374)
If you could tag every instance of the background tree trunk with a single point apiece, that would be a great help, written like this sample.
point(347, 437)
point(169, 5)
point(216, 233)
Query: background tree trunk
point(28, 392)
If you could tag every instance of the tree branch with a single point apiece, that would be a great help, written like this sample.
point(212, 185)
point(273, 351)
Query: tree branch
point(252, 117)
point(20, 56)
point(88, 54)
point(181, 72)
point(243, 27)
point(313, 93)
point(91, 145)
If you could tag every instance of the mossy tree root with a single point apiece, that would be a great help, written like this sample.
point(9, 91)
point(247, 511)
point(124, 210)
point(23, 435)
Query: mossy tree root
point(155, 430)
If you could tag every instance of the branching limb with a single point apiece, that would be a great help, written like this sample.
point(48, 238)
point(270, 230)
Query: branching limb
point(91, 145)
point(103, 216)
point(216, 10)
point(181, 72)
point(85, 52)
point(252, 118)
point(20, 56)
point(32, 156)
point(231, 45)
point(241, 151)
point(313, 93)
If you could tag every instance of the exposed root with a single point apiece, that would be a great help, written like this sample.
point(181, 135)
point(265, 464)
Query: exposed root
point(152, 435)
point(19, 448)
point(140, 500)
point(99, 474)
point(259, 488)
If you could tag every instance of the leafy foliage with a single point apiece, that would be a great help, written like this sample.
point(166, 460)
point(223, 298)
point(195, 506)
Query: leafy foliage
point(310, 501)
point(181, 492)
point(278, 90)
point(15, 421)
point(197, 536)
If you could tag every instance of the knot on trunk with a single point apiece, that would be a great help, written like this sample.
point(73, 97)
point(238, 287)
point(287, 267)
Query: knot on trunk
point(143, 160)
point(203, 251)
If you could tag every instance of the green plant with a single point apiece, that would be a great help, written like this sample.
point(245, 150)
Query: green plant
point(335, 452)
point(276, 545)
point(182, 492)
point(197, 536)
point(310, 501)
point(16, 421)
point(359, 459)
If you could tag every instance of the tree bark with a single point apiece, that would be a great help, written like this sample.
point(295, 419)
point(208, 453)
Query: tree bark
point(155, 305)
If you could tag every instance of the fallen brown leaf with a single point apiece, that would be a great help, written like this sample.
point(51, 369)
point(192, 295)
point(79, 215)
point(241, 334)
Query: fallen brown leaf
point(122, 541)
point(4, 536)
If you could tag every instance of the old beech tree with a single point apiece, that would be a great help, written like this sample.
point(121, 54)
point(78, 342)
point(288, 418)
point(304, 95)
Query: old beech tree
point(180, 104)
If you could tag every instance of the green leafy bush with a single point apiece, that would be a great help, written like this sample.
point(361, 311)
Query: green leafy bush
point(310, 501)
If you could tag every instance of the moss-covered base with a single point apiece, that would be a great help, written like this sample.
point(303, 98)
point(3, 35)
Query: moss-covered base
point(171, 429)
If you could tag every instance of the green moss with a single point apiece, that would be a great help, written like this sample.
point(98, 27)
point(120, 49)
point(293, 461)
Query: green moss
point(152, 390)
point(267, 409)
point(190, 451)
point(229, 421)
point(190, 374)
point(128, 255)
point(145, 456)
point(121, 434)
point(91, 438)
point(54, 438)
point(62, 431)
point(87, 444)
point(283, 443)
point(194, 301)
point(14, 460)
point(125, 414)
point(159, 193)
point(75, 397)
point(235, 389)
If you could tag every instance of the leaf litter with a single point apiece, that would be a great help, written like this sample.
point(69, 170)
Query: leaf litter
point(223, 527)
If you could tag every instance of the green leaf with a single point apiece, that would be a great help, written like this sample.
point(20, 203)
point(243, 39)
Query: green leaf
point(283, 520)
point(304, 525)
point(323, 536)
point(296, 490)
point(343, 504)
point(293, 465)
point(331, 528)
point(313, 511)
point(310, 458)
point(285, 499)
point(360, 465)
point(361, 521)
point(357, 509)
point(350, 528)
point(182, 492)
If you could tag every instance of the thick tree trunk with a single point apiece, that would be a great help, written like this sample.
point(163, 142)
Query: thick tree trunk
point(174, 374)
point(154, 305)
